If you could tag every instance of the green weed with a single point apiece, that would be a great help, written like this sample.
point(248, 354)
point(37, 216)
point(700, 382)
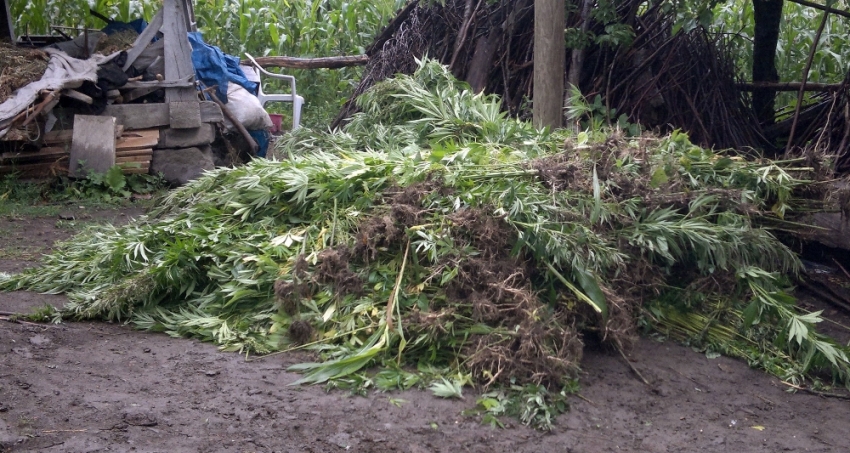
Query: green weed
point(436, 235)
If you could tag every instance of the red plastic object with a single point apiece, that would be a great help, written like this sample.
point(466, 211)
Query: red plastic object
point(276, 120)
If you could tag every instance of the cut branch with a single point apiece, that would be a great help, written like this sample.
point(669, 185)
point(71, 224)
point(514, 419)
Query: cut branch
point(805, 79)
point(839, 12)
point(310, 63)
point(789, 86)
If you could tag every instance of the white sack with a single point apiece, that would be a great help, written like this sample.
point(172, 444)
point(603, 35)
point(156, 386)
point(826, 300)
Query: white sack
point(246, 108)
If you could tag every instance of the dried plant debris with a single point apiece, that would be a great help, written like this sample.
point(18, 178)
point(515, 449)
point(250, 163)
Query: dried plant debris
point(435, 233)
point(19, 67)
point(116, 42)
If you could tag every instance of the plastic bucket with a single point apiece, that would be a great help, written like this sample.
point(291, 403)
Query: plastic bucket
point(276, 120)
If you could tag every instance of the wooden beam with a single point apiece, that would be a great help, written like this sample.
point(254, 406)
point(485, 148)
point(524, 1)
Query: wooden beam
point(310, 63)
point(133, 153)
point(177, 52)
point(139, 158)
point(185, 82)
point(146, 116)
point(137, 93)
point(74, 94)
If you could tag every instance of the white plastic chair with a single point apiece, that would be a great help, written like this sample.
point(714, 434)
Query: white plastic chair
point(297, 101)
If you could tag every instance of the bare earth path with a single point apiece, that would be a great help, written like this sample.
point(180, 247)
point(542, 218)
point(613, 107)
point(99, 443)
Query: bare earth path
point(86, 387)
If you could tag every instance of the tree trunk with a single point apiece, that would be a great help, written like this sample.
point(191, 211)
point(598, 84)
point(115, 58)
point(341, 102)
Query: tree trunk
point(549, 62)
point(309, 63)
point(768, 14)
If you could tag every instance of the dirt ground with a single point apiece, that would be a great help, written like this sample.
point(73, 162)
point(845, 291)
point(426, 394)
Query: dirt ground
point(86, 387)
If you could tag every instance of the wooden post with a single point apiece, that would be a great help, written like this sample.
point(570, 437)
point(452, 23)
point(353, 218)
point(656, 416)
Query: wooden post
point(7, 30)
point(177, 52)
point(549, 62)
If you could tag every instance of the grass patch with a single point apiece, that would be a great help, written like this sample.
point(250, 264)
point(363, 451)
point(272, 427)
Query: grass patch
point(25, 198)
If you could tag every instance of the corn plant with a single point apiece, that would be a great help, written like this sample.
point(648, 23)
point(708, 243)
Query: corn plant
point(39, 16)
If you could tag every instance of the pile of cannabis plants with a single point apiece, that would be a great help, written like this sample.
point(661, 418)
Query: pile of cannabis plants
point(439, 239)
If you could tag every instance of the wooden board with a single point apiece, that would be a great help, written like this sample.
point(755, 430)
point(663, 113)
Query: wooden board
point(42, 170)
point(143, 158)
point(143, 40)
point(141, 164)
point(64, 136)
point(177, 52)
point(92, 145)
point(53, 161)
point(52, 152)
point(56, 137)
point(186, 138)
point(58, 153)
point(131, 171)
point(139, 139)
point(60, 167)
point(184, 114)
point(146, 116)
point(132, 153)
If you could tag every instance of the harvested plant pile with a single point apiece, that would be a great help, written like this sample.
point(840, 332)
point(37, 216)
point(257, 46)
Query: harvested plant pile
point(437, 237)
point(19, 67)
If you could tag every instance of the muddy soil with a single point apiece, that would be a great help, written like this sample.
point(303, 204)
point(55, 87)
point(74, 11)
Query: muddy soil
point(86, 387)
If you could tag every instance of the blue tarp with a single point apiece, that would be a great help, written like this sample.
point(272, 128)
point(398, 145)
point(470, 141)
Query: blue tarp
point(262, 137)
point(214, 67)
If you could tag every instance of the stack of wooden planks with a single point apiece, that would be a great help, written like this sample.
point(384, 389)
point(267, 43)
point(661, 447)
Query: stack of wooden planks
point(133, 151)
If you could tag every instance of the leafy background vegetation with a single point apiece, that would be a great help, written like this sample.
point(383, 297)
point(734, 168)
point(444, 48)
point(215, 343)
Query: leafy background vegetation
point(345, 27)
point(734, 20)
